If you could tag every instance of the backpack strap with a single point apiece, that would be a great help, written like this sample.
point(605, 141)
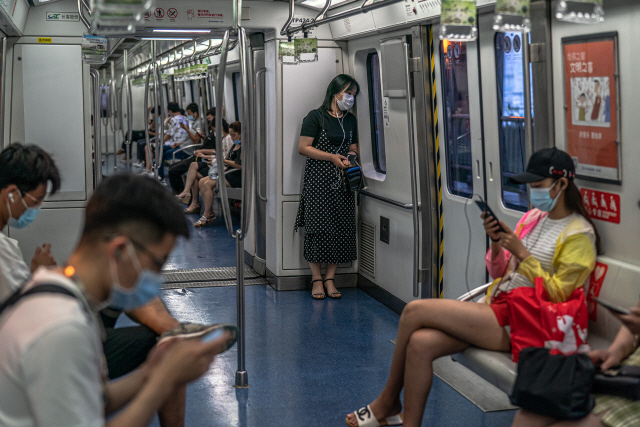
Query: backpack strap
point(18, 295)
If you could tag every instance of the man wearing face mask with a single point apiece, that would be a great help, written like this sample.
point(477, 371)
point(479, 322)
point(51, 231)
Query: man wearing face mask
point(194, 128)
point(51, 369)
point(22, 191)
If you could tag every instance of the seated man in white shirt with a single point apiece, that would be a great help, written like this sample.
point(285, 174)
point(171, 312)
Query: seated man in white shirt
point(175, 135)
point(51, 369)
point(25, 172)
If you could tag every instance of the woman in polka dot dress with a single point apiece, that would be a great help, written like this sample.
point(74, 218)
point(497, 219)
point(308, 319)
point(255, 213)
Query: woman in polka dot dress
point(327, 208)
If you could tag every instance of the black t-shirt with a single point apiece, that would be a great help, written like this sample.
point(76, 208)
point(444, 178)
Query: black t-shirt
point(316, 120)
point(209, 143)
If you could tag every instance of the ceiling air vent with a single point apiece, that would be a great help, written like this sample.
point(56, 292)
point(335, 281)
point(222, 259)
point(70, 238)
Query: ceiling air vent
point(368, 248)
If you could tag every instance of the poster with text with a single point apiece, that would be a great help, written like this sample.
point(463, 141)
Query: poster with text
point(591, 96)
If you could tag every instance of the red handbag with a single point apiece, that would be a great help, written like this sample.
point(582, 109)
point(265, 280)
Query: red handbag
point(538, 322)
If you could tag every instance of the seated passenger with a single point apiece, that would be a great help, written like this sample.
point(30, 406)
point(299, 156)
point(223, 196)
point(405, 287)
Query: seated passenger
point(610, 411)
point(142, 143)
point(51, 370)
point(232, 175)
point(174, 137)
point(194, 128)
point(556, 241)
point(177, 170)
point(25, 172)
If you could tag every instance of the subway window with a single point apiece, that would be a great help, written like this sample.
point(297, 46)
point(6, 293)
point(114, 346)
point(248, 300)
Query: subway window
point(510, 76)
point(457, 126)
point(237, 95)
point(376, 113)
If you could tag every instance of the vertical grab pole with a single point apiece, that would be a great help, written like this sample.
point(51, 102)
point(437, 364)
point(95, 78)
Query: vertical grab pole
point(113, 111)
point(256, 136)
point(242, 380)
point(222, 68)
point(124, 96)
point(156, 97)
point(129, 122)
point(162, 105)
point(414, 185)
point(528, 118)
point(97, 142)
point(146, 110)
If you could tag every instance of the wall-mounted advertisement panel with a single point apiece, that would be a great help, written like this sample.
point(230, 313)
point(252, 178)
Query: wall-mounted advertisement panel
point(592, 106)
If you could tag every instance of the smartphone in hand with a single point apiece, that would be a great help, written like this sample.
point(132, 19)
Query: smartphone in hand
point(484, 207)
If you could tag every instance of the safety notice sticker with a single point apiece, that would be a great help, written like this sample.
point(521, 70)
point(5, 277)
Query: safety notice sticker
point(204, 15)
point(601, 205)
point(595, 284)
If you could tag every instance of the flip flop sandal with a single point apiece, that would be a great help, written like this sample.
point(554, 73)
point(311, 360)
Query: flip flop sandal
point(318, 296)
point(204, 221)
point(365, 418)
point(337, 293)
point(194, 210)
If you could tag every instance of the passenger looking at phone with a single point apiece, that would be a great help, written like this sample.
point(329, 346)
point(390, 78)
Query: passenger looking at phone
point(194, 127)
point(232, 176)
point(610, 411)
point(51, 363)
point(556, 241)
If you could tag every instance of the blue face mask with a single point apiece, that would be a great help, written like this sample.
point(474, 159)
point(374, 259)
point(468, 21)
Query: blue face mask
point(191, 118)
point(26, 218)
point(541, 199)
point(147, 286)
point(236, 142)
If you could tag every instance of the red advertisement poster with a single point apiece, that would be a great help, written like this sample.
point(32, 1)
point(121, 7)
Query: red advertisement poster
point(595, 284)
point(591, 96)
point(601, 205)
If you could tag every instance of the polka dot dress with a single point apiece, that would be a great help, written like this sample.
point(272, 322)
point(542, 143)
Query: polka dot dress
point(327, 209)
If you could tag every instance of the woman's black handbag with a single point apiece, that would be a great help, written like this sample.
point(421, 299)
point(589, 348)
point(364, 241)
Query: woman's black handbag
point(556, 386)
point(353, 178)
point(623, 381)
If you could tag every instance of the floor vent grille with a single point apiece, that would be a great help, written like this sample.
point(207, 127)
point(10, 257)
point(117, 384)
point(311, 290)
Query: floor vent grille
point(368, 248)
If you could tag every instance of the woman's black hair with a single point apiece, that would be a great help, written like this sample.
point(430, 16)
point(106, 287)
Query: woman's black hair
point(573, 201)
point(341, 82)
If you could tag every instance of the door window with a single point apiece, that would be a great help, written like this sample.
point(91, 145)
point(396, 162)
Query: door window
point(457, 126)
point(376, 113)
point(510, 84)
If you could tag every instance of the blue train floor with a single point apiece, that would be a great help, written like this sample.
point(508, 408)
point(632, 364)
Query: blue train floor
point(309, 362)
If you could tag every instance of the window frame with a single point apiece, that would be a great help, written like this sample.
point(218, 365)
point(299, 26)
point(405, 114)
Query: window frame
point(373, 121)
point(445, 132)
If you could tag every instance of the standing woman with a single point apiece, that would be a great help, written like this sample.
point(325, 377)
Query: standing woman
point(327, 208)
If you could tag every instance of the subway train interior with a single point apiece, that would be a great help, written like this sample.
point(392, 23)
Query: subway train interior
point(446, 114)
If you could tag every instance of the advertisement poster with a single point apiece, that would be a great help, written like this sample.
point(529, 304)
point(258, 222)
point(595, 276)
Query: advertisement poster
point(591, 96)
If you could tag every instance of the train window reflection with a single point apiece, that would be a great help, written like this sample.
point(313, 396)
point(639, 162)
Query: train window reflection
point(457, 130)
point(509, 72)
point(376, 113)
point(237, 95)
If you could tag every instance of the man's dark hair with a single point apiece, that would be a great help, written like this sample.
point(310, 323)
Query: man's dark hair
point(341, 82)
point(193, 107)
point(237, 127)
point(173, 107)
point(133, 205)
point(153, 110)
point(211, 111)
point(182, 111)
point(27, 167)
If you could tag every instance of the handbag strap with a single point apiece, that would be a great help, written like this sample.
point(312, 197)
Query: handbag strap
point(18, 295)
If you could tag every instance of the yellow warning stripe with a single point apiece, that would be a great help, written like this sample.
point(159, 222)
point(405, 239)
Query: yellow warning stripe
point(438, 170)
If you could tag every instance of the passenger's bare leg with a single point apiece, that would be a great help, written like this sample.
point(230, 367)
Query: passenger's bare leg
point(206, 189)
point(469, 322)
point(425, 346)
point(172, 411)
point(316, 274)
point(191, 178)
point(148, 159)
point(330, 273)
point(527, 419)
point(195, 191)
point(154, 315)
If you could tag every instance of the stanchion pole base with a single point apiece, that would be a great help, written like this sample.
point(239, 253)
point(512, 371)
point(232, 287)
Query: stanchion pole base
point(242, 379)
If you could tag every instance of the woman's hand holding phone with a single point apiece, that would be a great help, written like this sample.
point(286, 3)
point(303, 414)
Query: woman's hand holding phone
point(491, 226)
point(339, 160)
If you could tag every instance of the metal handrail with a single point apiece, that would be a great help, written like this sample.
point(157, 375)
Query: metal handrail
point(285, 29)
point(246, 66)
point(414, 184)
point(222, 68)
point(474, 293)
point(257, 137)
point(384, 199)
point(162, 109)
point(84, 20)
point(129, 122)
point(146, 109)
point(97, 137)
point(363, 8)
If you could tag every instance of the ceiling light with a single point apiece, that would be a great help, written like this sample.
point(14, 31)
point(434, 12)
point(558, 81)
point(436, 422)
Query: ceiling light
point(166, 38)
point(175, 30)
point(319, 4)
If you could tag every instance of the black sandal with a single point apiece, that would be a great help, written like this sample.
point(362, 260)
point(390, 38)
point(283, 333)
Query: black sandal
point(318, 296)
point(330, 295)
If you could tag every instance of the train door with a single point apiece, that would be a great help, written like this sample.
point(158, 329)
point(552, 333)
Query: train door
point(458, 96)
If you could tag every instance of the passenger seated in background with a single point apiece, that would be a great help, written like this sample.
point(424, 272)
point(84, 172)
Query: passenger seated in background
point(194, 129)
point(232, 175)
point(51, 370)
point(174, 137)
point(142, 143)
point(556, 241)
point(24, 173)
